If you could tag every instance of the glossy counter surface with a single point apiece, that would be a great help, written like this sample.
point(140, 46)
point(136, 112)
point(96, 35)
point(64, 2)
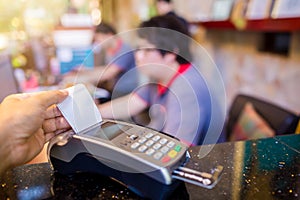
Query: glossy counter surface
point(258, 169)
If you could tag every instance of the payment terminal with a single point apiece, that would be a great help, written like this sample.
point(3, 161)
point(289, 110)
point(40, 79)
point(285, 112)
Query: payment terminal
point(133, 155)
point(148, 162)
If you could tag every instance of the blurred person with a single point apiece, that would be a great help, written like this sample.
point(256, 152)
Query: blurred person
point(27, 122)
point(166, 7)
point(176, 95)
point(117, 73)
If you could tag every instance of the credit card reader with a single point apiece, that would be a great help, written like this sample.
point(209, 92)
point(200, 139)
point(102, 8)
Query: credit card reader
point(133, 155)
point(150, 163)
point(124, 147)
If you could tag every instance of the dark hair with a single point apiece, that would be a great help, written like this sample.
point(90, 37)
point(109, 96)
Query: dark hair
point(105, 28)
point(169, 35)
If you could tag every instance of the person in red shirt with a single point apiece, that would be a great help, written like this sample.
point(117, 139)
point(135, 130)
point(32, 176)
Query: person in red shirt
point(176, 94)
point(114, 68)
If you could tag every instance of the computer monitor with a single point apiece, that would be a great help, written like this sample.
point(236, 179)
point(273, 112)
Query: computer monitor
point(8, 82)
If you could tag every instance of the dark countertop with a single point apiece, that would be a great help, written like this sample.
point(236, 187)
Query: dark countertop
point(257, 169)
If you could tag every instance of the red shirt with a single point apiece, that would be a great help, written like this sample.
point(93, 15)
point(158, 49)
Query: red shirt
point(181, 69)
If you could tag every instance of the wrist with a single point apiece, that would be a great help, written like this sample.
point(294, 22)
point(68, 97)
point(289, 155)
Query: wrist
point(6, 161)
point(5, 141)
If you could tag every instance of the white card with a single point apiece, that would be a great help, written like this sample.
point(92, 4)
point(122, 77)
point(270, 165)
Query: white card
point(79, 109)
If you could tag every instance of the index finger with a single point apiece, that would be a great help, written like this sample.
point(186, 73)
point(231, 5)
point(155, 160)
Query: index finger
point(49, 98)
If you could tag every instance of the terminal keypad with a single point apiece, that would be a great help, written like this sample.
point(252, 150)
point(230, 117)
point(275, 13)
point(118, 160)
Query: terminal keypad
point(156, 146)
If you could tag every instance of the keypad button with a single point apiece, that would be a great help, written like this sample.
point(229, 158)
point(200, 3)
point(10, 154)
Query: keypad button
point(149, 143)
point(135, 145)
point(149, 135)
point(156, 138)
point(170, 144)
point(172, 153)
point(133, 137)
point(177, 148)
point(149, 152)
point(142, 148)
point(142, 140)
point(165, 159)
point(163, 141)
point(156, 146)
point(164, 149)
point(158, 155)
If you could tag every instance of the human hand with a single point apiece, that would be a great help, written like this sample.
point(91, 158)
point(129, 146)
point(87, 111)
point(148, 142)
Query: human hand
point(27, 122)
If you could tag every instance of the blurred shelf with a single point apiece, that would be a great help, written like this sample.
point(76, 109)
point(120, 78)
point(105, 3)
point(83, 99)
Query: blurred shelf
point(262, 25)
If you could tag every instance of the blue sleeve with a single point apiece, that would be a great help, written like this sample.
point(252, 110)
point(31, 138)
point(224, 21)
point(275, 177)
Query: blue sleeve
point(124, 60)
point(144, 93)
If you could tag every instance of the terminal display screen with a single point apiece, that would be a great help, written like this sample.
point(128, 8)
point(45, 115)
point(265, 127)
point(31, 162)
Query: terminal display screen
point(108, 130)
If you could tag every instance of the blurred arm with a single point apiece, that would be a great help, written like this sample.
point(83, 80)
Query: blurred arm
point(123, 107)
point(94, 76)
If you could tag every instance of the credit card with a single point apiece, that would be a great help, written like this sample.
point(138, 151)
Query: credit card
point(79, 108)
